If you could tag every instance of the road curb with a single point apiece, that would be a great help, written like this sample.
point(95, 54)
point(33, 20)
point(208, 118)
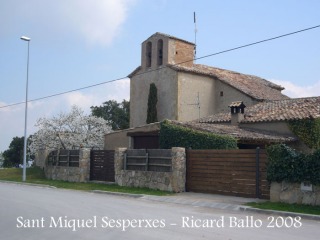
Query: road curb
point(28, 184)
point(132, 195)
point(280, 213)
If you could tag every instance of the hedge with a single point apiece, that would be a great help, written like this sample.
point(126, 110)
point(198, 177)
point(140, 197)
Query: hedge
point(172, 135)
point(308, 131)
point(285, 164)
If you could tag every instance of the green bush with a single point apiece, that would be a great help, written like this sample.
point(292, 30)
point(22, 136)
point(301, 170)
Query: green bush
point(308, 131)
point(314, 167)
point(285, 164)
point(172, 135)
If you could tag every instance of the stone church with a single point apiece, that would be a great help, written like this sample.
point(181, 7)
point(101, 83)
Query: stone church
point(188, 91)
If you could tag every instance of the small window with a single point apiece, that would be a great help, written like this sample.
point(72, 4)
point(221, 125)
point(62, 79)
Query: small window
point(221, 94)
point(148, 54)
point(160, 52)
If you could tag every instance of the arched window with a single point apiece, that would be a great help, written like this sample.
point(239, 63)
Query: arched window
point(148, 54)
point(160, 52)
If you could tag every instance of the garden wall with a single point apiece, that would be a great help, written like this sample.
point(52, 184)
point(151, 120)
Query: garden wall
point(58, 169)
point(295, 193)
point(173, 181)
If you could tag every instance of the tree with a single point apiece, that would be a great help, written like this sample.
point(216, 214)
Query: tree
point(14, 155)
point(152, 104)
point(115, 113)
point(69, 131)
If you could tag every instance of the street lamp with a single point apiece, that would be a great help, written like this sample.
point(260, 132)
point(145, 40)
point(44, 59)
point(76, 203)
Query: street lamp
point(24, 38)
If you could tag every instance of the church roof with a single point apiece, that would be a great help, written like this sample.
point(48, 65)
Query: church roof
point(253, 86)
point(134, 72)
point(268, 111)
point(257, 88)
point(171, 37)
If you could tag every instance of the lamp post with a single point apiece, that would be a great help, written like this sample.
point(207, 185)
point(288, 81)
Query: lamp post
point(24, 38)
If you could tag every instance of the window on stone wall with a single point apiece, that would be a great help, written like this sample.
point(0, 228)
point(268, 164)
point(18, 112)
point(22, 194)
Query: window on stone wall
point(221, 94)
point(160, 52)
point(148, 54)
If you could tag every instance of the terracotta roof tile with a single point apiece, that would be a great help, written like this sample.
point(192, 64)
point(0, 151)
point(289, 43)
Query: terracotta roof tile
point(281, 110)
point(242, 134)
point(255, 87)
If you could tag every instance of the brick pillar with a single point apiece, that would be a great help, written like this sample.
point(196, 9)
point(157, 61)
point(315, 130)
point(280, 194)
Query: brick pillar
point(178, 181)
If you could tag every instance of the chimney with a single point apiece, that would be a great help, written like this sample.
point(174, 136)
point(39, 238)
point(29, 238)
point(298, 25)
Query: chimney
point(237, 112)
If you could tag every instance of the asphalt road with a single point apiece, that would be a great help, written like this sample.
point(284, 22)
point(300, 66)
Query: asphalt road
point(30, 212)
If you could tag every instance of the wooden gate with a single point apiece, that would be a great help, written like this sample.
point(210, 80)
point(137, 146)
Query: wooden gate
point(102, 165)
point(240, 172)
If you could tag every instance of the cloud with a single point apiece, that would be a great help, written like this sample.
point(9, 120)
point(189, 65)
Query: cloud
point(96, 21)
point(295, 91)
point(118, 91)
point(12, 118)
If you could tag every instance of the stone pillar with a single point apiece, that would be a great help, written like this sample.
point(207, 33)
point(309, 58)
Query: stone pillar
point(118, 164)
point(178, 181)
point(84, 165)
point(41, 158)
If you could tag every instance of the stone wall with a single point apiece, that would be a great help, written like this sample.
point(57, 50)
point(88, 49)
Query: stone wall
point(72, 174)
point(292, 193)
point(166, 181)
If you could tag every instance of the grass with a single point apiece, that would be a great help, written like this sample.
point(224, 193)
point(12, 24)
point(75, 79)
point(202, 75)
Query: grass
point(36, 175)
point(298, 208)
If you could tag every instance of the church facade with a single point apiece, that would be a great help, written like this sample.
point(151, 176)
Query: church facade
point(188, 91)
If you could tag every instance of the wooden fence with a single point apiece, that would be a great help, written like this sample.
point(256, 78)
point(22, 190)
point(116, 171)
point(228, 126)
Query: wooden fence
point(158, 160)
point(240, 172)
point(62, 157)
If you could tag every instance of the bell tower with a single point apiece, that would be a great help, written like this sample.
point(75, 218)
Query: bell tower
point(158, 54)
point(162, 49)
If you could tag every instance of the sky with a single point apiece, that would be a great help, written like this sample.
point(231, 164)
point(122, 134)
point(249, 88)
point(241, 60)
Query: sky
point(78, 43)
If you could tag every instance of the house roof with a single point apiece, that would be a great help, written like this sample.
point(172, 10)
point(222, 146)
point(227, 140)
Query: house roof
point(281, 110)
point(241, 134)
point(253, 86)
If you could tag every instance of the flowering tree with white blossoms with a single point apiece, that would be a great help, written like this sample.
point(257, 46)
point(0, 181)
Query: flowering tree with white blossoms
point(69, 131)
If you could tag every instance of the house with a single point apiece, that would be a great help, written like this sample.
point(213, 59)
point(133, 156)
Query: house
point(263, 123)
point(205, 98)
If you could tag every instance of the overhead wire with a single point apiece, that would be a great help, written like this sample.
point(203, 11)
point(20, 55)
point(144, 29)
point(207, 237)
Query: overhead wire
point(206, 56)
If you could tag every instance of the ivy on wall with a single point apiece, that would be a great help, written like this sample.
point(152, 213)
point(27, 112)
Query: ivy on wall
point(285, 164)
point(172, 135)
point(308, 131)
